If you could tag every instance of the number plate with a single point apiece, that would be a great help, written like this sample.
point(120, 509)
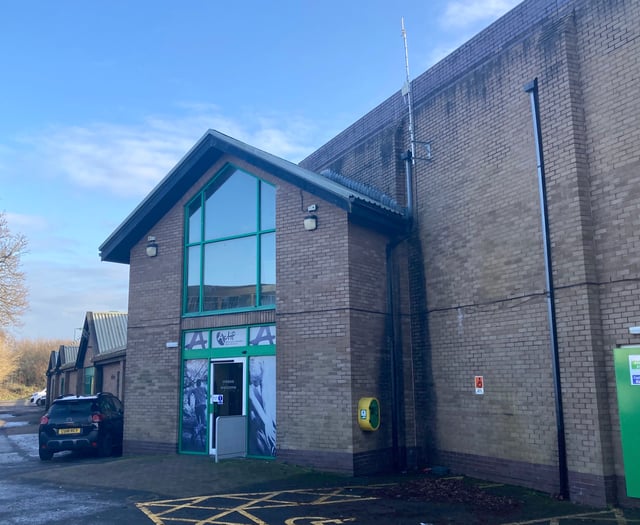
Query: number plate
point(68, 431)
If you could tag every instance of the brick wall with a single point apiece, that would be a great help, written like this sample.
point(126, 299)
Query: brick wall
point(608, 46)
point(476, 267)
point(313, 355)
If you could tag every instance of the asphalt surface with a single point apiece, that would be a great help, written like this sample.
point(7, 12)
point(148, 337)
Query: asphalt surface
point(186, 489)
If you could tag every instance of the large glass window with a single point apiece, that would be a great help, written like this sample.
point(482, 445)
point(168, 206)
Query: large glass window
point(230, 245)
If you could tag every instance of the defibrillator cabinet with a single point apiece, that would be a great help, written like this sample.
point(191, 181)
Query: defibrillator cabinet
point(369, 413)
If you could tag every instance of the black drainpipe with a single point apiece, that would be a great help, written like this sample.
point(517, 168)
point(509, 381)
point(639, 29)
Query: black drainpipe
point(395, 336)
point(396, 399)
point(532, 89)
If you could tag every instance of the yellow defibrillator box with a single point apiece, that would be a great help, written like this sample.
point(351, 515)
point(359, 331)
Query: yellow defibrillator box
point(369, 413)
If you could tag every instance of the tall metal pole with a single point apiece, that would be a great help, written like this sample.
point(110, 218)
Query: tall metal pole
point(407, 90)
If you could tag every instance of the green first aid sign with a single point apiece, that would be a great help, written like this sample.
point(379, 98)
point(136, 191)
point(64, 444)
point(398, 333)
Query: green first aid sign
point(627, 366)
point(634, 368)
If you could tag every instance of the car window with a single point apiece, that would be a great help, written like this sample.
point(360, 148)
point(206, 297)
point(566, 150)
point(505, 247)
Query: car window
point(117, 404)
point(70, 410)
point(105, 405)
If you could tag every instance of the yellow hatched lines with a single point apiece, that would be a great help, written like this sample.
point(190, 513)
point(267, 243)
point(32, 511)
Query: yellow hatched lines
point(611, 516)
point(242, 509)
point(239, 509)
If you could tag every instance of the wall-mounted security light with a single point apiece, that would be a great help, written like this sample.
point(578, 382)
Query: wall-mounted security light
point(152, 246)
point(634, 330)
point(310, 222)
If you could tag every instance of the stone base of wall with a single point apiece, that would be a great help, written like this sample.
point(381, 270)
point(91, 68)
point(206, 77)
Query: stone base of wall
point(361, 464)
point(623, 499)
point(341, 462)
point(149, 447)
point(599, 491)
point(588, 489)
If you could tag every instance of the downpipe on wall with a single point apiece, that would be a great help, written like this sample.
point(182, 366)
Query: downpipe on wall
point(532, 89)
point(395, 334)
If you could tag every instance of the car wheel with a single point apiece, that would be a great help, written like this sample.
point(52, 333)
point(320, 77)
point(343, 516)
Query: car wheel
point(45, 455)
point(105, 446)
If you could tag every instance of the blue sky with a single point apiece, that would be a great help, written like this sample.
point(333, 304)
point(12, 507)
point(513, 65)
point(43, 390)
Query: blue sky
point(99, 100)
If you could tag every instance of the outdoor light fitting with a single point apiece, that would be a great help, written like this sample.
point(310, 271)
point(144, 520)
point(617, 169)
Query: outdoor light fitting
point(152, 246)
point(310, 222)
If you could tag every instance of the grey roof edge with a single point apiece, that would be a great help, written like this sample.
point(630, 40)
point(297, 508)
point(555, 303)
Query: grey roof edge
point(205, 152)
point(109, 329)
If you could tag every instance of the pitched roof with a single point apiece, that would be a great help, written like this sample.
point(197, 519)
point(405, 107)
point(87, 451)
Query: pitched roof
point(67, 356)
point(110, 330)
point(359, 202)
point(53, 362)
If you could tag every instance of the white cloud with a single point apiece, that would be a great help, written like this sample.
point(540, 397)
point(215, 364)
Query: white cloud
point(60, 294)
point(129, 160)
point(19, 221)
point(461, 14)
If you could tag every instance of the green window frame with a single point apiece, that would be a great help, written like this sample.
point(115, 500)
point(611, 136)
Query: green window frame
point(89, 375)
point(230, 245)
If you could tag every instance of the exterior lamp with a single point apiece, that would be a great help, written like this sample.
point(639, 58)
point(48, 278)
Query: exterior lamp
point(152, 246)
point(310, 222)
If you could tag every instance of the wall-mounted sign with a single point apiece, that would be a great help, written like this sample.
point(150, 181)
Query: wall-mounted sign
point(217, 399)
point(479, 382)
point(196, 340)
point(634, 368)
point(229, 337)
point(262, 335)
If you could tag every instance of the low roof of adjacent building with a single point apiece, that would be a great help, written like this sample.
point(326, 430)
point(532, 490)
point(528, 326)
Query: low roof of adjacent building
point(67, 356)
point(110, 331)
point(361, 202)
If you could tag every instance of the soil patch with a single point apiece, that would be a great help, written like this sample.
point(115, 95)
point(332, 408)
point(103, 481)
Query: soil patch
point(449, 490)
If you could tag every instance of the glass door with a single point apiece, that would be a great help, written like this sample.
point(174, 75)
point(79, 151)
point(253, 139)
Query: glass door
point(227, 392)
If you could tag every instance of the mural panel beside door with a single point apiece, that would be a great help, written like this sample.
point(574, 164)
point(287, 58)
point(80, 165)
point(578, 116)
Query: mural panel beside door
point(262, 406)
point(194, 405)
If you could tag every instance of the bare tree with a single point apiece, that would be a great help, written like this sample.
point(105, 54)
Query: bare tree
point(32, 360)
point(7, 358)
point(13, 292)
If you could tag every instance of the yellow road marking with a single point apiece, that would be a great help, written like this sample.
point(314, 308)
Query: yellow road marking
point(220, 509)
point(317, 521)
point(555, 520)
point(222, 506)
point(620, 519)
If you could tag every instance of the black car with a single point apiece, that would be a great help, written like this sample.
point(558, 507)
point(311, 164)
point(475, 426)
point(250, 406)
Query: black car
point(82, 423)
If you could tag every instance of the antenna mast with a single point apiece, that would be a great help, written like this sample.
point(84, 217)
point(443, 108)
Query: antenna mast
point(406, 91)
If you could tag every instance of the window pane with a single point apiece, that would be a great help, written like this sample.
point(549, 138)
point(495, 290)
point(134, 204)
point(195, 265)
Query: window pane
point(193, 279)
point(268, 269)
point(195, 216)
point(267, 206)
point(230, 274)
point(231, 209)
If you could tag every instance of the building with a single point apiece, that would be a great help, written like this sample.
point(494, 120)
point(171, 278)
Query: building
point(473, 273)
point(97, 364)
point(62, 374)
point(102, 353)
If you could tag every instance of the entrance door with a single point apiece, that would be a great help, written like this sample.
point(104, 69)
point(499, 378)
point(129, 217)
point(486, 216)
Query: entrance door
point(227, 392)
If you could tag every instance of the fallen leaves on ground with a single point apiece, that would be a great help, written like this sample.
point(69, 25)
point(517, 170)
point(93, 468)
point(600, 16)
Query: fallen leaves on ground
point(448, 490)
